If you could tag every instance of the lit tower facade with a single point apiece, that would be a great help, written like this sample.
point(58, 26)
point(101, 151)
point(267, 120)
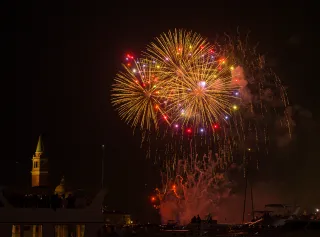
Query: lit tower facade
point(39, 171)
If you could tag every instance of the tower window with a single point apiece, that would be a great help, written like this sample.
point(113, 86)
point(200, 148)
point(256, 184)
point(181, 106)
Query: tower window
point(35, 164)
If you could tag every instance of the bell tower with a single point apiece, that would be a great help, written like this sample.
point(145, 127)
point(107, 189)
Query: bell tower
point(39, 171)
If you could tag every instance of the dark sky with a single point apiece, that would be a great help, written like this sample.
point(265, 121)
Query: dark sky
point(67, 56)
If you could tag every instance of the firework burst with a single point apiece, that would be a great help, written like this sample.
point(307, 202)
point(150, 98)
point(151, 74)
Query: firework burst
point(137, 93)
point(203, 96)
point(187, 88)
point(200, 86)
point(194, 85)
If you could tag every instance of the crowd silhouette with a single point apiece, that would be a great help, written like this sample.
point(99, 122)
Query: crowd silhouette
point(197, 219)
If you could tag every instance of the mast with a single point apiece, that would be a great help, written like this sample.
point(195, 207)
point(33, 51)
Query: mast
point(102, 167)
point(252, 207)
point(245, 196)
point(246, 174)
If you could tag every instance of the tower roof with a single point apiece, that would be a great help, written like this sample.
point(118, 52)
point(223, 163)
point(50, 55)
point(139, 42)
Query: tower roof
point(40, 145)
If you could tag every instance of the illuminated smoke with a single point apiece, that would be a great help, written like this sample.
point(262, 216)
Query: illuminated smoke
point(197, 188)
point(238, 78)
point(204, 186)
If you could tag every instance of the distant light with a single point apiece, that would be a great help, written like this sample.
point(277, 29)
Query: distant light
point(216, 126)
point(165, 117)
point(127, 59)
point(189, 130)
point(167, 58)
point(317, 210)
point(201, 130)
point(129, 56)
point(249, 149)
point(144, 65)
point(202, 83)
point(236, 93)
point(235, 107)
point(176, 125)
point(154, 61)
point(134, 70)
point(226, 117)
point(231, 68)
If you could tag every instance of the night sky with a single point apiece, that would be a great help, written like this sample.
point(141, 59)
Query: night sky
point(67, 56)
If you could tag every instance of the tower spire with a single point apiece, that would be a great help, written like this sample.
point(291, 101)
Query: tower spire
point(39, 145)
point(39, 171)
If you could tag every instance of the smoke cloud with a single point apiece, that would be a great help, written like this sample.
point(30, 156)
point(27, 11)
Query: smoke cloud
point(202, 193)
point(238, 79)
point(197, 189)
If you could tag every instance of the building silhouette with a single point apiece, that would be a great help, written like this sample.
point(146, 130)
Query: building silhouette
point(42, 195)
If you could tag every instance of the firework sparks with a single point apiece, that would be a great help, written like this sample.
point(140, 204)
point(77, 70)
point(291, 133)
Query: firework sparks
point(179, 50)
